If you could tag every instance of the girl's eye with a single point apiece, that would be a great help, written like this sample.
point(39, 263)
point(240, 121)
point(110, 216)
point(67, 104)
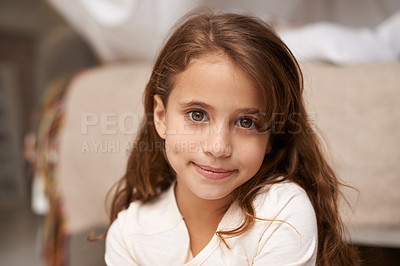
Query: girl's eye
point(245, 122)
point(197, 116)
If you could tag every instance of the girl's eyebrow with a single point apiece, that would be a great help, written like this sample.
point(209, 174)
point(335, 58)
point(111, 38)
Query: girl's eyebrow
point(203, 105)
point(197, 104)
point(249, 111)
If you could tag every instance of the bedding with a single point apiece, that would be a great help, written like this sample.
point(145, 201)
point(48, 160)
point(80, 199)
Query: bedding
point(345, 45)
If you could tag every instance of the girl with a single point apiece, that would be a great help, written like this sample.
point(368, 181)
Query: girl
point(226, 170)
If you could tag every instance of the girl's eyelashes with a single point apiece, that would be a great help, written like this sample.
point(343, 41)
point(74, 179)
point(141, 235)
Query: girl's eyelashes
point(246, 123)
point(197, 116)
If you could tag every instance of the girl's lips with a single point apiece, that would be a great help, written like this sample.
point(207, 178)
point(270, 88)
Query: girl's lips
point(212, 173)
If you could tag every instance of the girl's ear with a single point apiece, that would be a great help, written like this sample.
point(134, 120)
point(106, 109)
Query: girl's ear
point(159, 116)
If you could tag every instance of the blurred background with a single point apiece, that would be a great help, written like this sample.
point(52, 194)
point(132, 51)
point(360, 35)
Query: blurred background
point(60, 59)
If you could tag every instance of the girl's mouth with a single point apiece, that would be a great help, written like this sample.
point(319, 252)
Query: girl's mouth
point(212, 173)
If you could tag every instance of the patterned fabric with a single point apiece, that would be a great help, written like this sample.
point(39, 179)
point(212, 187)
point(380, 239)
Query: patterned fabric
point(41, 150)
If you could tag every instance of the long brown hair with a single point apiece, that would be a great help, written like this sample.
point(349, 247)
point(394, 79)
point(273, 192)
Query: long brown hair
point(295, 152)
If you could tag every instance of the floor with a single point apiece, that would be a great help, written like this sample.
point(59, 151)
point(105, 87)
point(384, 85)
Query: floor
point(20, 244)
point(20, 237)
point(378, 256)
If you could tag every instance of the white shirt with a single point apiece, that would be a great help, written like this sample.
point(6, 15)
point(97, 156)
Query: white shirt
point(154, 233)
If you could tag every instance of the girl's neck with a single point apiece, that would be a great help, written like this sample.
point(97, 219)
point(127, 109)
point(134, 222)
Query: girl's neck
point(201, 216)
point(194, 207)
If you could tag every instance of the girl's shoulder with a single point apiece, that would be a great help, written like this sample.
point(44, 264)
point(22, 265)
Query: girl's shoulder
point(280, 191)
point(285, 228)
point(145, 216)
point(285, 199)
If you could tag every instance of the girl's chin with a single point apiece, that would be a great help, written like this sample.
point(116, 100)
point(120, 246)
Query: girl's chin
point(211, 194)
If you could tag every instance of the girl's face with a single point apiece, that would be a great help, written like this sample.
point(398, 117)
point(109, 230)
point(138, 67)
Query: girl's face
point(209, 128)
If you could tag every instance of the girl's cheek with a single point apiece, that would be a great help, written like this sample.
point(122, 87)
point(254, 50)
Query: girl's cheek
point(253, 148)
point(183, 143)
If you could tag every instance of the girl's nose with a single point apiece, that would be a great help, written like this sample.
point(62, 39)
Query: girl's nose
point(218, 142)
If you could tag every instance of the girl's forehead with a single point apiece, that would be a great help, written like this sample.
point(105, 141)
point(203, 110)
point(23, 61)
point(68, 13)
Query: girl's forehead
point(212, 68)
point(217, 81)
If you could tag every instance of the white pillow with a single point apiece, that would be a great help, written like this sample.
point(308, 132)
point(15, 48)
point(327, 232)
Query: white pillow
point(123, 29)
point(345, 45)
